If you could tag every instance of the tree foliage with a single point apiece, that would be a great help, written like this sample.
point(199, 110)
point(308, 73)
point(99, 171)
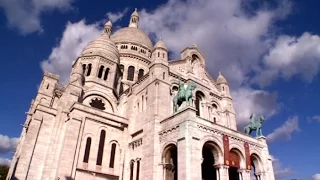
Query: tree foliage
point(3, 172)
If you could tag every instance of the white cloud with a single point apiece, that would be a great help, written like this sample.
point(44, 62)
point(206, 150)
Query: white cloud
point(313, 118)
point(279, 171)
point(316, 177)
point(247, 101)
point(114, 17)
point(5, 162)
point(231, 40)
point(74, 39)
point(285, 131)
point(25, 14)
point(292, 56)
point(7, 144)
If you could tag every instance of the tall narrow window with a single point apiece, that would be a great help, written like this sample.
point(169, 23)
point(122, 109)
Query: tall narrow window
point(100, 71)
point(199, 98)
point(130, 73)
point(164, 75)
point(131, 169)
point(87, 150)
point(122, 70)
point(101, 146)
point(138, 170)
point(89, 69)
point(106, 74)
point(141, 73)
point(113, 153)
point(142, 103)
point(84, 68)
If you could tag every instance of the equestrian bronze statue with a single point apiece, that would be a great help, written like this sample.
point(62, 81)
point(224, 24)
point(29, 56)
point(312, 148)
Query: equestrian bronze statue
point(255, 124)
point(184, 94)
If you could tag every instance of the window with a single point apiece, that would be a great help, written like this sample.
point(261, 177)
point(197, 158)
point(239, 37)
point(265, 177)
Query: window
point(89, 69)
point(214, 120)
point(163, 55)
point(138, 170)
point(163, 75)
point(142, 102)
point(106, 74)
point(199, 98)
point(141, 72)
point(87, 150)
point(122, 70)
point(97, 103)
point(48, 85)
point(101, 146)
point(131, 169)
point(130, 73)
point(113, 152)
point(100, 71)
point(84, 68)
point(158, 54)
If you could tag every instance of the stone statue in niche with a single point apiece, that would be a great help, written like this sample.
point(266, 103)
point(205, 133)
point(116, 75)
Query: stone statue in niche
point(184, 95)
point(254, 124)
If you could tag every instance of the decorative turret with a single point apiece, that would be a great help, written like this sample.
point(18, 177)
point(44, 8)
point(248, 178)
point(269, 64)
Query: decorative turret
point(160, 52)
point(77, 77)
point(108, 28)
point(222, 82)
point(134, 20)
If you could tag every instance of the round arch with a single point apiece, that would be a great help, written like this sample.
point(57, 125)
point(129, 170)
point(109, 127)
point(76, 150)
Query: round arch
point(170, 161)
point(256, 163)
point(240, 152)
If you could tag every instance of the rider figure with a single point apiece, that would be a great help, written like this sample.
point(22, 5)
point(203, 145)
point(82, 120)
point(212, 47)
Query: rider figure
point(252, 118)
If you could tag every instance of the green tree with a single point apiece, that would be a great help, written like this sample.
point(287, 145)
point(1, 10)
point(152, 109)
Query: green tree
point(3, 172)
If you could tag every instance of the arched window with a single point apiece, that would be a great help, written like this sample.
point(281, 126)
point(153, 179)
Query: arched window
point(113, 153)
point(84, 68)
point(89, 69)
point(130, 73)
point(105, 77)
point(141, 73)
point(101, 146)
point(100, 71)
point(214, 120)
point(199, 99)
point(158, 54)
point(87, 150)
point(131, 169)
point(138, 170)
point(214, 106)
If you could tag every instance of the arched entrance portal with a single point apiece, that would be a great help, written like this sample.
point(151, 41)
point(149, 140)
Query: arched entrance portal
point(210, 155)
point(256, 167)
point(234, 165)
point(170, 162)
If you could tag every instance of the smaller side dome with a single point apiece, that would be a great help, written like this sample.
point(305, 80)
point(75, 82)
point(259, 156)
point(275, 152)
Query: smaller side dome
point(221, 79)
point(160, 44)
point(103, 46)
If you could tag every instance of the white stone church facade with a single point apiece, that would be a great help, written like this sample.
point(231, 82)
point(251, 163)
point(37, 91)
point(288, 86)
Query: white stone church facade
point(114, 119)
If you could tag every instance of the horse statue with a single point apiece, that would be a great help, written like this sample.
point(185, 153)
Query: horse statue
point(255, 124)
point(184, 94)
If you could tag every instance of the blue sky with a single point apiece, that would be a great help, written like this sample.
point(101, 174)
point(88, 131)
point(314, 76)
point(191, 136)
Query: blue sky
point(268, 51)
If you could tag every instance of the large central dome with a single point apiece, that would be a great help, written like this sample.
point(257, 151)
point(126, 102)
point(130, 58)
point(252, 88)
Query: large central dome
point(132, 35)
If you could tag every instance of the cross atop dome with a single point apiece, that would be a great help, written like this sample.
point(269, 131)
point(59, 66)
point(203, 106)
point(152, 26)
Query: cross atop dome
point(134, 20)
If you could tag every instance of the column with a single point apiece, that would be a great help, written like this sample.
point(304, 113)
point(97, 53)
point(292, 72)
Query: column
point(222, 172)
point(218, 171)
point(241, 174)
point(246, 175)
